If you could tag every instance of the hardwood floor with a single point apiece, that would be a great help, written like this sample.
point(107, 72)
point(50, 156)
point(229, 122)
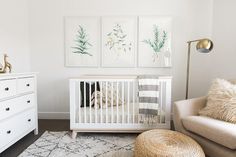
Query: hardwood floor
point(50, 125)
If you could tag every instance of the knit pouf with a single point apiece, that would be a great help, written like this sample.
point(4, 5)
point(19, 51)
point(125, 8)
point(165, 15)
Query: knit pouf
point(166, 143)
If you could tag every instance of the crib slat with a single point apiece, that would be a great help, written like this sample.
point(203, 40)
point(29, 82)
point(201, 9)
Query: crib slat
point(164, 102)
point(101, 104)
point(95, 103)
point(134, 101)
point(85, 116)
point(128, 100)
point(160, 100)
point(79, 106)
point(90, 111)
point(112, 102)
point(117, 101)
point(123, 110)
point(106, 105)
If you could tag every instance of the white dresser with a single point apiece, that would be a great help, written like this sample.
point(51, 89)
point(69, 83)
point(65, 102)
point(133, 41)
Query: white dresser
point(18, 107)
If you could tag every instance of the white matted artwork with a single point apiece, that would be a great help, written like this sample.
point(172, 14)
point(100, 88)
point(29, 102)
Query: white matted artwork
point(82, 45)
point(119, 36)
point(154, 41)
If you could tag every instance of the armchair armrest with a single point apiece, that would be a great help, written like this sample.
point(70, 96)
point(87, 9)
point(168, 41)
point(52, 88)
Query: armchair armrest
point(186, 108)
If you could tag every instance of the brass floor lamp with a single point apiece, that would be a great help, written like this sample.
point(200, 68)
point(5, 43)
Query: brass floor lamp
point(204, 46)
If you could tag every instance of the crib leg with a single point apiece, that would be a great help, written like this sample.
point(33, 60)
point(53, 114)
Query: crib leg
point(74, 134)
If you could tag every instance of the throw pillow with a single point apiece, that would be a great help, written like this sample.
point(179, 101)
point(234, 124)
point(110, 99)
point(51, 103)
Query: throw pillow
point(221, 101)
point(87, 92)
point(102, 94)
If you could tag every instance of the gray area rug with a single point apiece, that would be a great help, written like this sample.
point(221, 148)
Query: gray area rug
point(60, 144)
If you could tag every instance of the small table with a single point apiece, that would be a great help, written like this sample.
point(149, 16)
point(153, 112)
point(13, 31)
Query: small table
point(166, 143)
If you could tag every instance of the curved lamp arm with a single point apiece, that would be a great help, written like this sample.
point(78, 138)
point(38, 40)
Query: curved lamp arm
point(204, 46)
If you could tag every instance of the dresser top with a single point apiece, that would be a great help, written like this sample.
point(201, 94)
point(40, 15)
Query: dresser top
point(9, 75)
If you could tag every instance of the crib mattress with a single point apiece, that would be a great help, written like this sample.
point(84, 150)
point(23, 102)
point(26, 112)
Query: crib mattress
point(125, 114)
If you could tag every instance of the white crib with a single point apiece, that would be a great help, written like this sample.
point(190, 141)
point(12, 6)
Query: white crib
point(116, 109)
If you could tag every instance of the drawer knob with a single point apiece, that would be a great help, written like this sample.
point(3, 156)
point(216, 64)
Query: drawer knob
point(7, 109)
point(6, 89)
point(28, 101)
point(27, 84)
point(9, 131)
point(29, 120)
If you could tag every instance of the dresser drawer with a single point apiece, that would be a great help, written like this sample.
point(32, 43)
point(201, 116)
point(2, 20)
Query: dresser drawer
point(16, 127)
point(7, 88)
point(13, 106)
point(25, 85)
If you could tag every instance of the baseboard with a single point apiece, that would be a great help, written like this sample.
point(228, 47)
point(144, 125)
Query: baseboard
point(54, 115)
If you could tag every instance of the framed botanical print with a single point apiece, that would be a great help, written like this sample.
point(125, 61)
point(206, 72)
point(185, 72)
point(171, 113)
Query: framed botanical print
point(154, 41)
point(119, 41)
point(82, 44)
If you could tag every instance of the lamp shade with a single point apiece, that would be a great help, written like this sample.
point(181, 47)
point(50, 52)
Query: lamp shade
point(204, 45)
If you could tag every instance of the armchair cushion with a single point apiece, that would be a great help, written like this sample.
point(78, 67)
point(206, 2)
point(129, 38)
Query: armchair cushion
point(221, 101)
point(221, 132)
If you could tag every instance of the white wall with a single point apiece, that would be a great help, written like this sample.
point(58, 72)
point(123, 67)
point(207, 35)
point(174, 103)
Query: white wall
point(223, 60)
point(191, 20)
point(14, 33)
point(220, 63)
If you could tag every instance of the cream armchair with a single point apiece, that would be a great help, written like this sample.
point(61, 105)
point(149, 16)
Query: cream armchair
point(217, 138)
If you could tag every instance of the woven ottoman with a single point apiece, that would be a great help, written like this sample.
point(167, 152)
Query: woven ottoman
point(166, 143)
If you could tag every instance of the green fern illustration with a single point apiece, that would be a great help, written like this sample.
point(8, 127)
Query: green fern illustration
point(82, 42)
point(158, 42)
